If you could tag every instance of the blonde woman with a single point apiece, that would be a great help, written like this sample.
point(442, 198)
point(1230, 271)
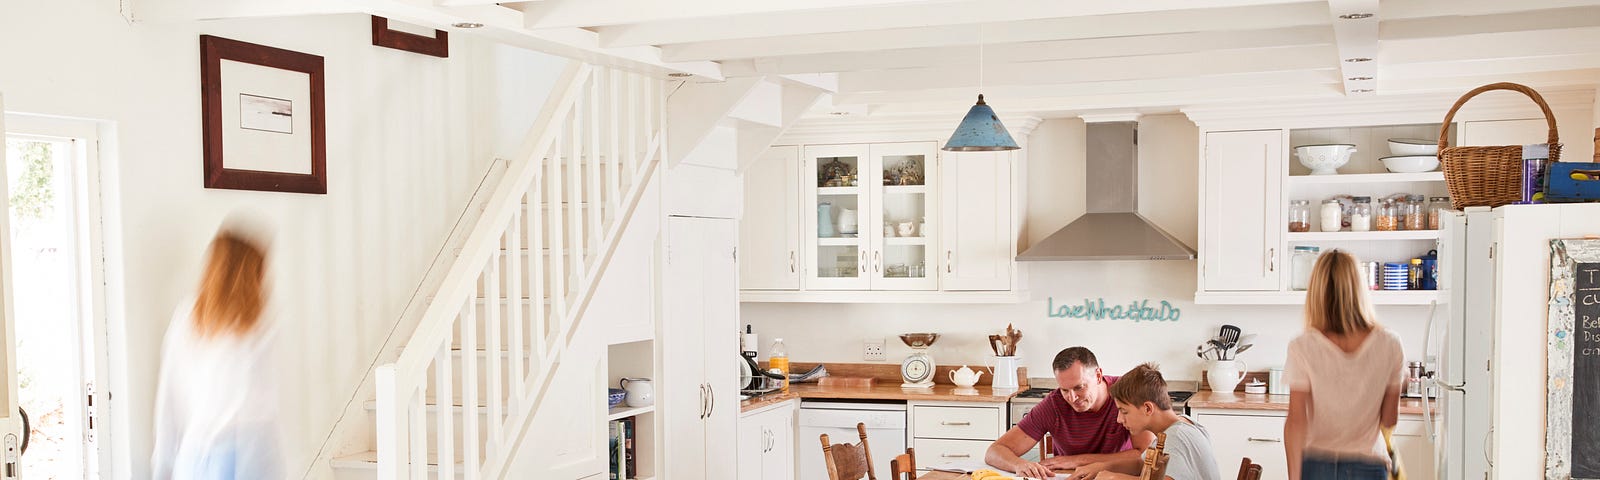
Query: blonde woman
point(1344, 375)
point(216, 412)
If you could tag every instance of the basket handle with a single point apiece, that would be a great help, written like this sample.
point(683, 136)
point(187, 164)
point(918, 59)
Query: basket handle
point(1550, 118)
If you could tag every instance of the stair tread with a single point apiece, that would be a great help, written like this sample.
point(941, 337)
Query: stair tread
point(369, 460)
point(432, 405)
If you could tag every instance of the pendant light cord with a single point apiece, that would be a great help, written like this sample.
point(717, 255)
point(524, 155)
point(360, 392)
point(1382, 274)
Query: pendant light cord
point(980, 58)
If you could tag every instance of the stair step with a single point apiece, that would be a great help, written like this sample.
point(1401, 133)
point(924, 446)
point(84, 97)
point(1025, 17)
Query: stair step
point(369, 461)
point(432, 407)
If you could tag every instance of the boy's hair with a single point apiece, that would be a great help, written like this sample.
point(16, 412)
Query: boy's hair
point(1142, 384)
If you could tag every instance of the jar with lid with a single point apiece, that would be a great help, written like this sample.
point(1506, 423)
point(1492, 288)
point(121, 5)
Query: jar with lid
point(1414, 217)
point(1301, 263)
point(1414, 275)
point(1299, 216)
point(1361, 215)
point(1438, 207)
point(1332, 215)
point(1386, 218)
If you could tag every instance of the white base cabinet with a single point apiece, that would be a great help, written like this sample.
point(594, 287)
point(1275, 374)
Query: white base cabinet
point(767, 443)
point(1258, 435)
point(953, 431)
point(697, 395)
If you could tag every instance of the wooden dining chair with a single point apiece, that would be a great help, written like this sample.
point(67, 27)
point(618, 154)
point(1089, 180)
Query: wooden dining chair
point(1155, 460)
point(846, 461)
point(1249, 471)
point(904, 466)
point(1046, 446)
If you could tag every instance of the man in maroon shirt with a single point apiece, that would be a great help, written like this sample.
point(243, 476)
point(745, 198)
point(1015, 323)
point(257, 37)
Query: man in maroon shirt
point(1080, 419)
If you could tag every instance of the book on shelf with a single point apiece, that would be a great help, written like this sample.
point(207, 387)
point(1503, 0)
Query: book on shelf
point(616, 449)
point(631, 468)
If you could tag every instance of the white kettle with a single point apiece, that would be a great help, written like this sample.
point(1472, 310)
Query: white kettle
point(965, 377)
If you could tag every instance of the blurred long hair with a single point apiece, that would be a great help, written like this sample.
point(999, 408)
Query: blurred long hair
point(232, 293)
point(1336, 299)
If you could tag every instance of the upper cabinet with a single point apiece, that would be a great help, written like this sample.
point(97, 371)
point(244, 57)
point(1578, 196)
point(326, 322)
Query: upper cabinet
point(1240, 247)
point(868, 208)
point(976, 228)
point(769, 234)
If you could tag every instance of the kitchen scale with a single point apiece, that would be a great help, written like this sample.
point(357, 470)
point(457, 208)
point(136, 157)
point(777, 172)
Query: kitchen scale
point(917, 369)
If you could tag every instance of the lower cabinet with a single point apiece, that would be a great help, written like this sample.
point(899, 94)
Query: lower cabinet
point(944, 432)
point(1258, 435)
point(766, 443)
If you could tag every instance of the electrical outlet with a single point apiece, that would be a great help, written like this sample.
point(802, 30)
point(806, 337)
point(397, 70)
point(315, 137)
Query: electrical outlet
point(873, 350)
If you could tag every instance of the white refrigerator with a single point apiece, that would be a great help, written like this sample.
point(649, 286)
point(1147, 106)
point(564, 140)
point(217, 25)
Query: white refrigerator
point(1488, 337)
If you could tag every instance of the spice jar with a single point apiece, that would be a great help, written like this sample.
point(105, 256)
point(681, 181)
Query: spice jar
point(1414, 218)
point(1361, 215)
point(1332, 215)
point(1386, 219)
point(1299, 216)
point(1437, 209)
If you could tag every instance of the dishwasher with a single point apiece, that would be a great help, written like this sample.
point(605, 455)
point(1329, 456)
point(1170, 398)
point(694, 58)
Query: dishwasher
point(886, 432)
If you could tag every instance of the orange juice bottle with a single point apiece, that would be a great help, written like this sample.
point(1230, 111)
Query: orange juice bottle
point(779, 359)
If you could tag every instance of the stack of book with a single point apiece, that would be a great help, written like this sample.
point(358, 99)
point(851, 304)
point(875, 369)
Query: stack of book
point(622, 459)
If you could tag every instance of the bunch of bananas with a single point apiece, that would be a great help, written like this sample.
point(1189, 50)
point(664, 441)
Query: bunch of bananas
point(987, 474)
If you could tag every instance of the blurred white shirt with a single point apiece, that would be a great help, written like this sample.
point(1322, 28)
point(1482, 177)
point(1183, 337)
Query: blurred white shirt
point(216, 406)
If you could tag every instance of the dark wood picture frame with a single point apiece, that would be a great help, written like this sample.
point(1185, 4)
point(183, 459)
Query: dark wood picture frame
point(438, 46)
point(213, 50)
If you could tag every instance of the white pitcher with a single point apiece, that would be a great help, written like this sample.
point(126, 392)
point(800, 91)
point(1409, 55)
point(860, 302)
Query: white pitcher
point(641, 393)
point(965, 377)
point(1225, 375)
point(1005, 371)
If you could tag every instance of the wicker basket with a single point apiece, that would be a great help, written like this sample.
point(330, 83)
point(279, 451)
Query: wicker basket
point(1488, 176)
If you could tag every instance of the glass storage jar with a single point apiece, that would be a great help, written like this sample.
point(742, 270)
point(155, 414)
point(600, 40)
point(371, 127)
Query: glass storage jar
point(1361, 214)
point(1385, 219)
point(1301, 263)
point(1332, 215)
point(1438, 207)
point(1299, 216)
point(1414, 217)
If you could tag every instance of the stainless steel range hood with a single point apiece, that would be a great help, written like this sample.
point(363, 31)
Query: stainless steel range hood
point(1111, 228)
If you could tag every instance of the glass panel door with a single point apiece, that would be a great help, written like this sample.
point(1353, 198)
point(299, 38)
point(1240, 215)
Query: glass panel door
point(904, 212)
point(837, 202)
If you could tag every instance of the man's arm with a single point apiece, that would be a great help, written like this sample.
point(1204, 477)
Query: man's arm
point(1006, 454)
point(1140, 443)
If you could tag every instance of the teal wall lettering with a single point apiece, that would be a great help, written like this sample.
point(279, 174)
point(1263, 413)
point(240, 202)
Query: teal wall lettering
point(1096, 310)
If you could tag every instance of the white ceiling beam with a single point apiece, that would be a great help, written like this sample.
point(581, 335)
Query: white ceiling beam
point(1064, 106)
point(1023, 94)
point(1454, 26)
point(161, 11)
point(1255, 18)
point(1030, 52)
point(890, 17)
point(594, 13)
point(1096, 69)
point(1495, 46)
point(1355, 26)
point(1563, 78)
point(1499, 66)
point(1405, 9)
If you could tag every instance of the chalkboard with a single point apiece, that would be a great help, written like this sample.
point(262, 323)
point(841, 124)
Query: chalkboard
point(1586, 373)
point(1572, 421)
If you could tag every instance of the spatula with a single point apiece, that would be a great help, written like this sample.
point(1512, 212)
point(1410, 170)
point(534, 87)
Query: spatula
point(1230, 336)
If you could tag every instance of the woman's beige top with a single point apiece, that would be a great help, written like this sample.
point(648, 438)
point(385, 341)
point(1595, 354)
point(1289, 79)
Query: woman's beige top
point(1346, 391)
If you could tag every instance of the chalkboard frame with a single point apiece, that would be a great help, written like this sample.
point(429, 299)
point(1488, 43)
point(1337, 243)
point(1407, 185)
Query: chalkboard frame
point(1568, 258)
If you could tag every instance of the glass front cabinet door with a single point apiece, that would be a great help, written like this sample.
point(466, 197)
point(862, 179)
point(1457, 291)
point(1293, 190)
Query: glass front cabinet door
point(871, 212)
point(836, 233)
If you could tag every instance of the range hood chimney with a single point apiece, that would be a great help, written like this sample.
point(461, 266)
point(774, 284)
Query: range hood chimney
point(1111, 228)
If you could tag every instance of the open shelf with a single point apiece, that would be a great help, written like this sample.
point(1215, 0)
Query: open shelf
point(625, 411)
point(839, 190)
point(905, 241)
point(839, 241)
point(1366, 178)
point(1378, 297)
point(905, 189)
point(1363, 236)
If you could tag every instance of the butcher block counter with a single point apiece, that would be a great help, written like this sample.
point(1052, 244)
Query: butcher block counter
point(1256, 401)
point(886, 386)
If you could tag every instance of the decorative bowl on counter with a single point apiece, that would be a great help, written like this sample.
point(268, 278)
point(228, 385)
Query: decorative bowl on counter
point(1324, 159)
point(1413, 146)
point(1411, 163)
point(614, 397)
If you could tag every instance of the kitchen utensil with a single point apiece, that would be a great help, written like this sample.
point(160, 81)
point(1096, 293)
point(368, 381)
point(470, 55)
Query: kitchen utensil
point(1413, 146)
point(1410, 163)
point(751, 377)
point(1324, 159)
point(641, 393)
point(1240, 350)
point(1225, 375)
point(1229, 336)
point(1200, 351)
point(994, 344)
point(965, 377)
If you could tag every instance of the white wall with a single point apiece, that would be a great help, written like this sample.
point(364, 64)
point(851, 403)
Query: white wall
point(1168, 155)
point(409, 138)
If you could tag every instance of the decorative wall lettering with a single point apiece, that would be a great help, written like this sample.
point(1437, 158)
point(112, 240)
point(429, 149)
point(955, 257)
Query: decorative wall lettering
point(1137, 310)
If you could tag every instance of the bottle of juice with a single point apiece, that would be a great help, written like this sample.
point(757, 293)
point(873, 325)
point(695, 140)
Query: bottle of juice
point(778, 359)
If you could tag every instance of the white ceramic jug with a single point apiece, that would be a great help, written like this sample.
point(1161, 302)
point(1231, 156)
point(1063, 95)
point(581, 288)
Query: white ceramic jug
point(1005, 372)
point(965, 377)
point(641, 393)
point(1225, 375)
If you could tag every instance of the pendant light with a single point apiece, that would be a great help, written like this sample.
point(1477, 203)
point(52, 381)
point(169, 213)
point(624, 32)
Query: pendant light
point(980, 130)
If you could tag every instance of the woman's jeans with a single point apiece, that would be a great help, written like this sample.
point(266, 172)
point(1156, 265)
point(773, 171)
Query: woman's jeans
point(1327, 469)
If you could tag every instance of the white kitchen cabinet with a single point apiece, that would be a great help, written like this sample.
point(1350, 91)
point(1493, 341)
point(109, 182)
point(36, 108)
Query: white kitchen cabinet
point(954, 431)
point(836, 251)
point(867, 235)
point(769, 231)
point(1258, 435)
point(766, 443)
point(1241, 211)
point(697, 393)
point(976, 226)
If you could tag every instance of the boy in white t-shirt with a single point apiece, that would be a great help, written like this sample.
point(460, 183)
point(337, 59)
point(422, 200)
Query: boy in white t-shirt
point(1143, 405)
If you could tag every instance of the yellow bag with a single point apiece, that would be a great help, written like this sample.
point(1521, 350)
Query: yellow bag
point(1396, 472)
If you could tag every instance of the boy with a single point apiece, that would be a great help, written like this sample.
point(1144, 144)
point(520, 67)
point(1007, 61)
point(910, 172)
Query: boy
point(1143, 406)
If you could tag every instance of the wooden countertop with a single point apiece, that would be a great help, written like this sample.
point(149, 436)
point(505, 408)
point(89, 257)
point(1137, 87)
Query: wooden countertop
point(1257, 401)
point(752, 403)
point(940, 393)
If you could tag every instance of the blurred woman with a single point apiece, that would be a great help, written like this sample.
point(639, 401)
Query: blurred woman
point(216, 409)
point(1344, 375)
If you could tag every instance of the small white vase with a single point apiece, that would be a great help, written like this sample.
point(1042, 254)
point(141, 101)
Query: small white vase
point(1225, 375)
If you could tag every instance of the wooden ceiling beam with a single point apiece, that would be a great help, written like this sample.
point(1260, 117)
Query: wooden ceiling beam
point(998, 34)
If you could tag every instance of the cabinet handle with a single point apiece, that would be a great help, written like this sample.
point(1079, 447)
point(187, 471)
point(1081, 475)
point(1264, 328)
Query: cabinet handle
point(863, 261)
point(713, 396)
point(957, 455)
point(956, 424)
point(949, 265)
point(1272, 259)
point(791, 261)
point(702, 401)
point(877, 261)
point(1266, 440)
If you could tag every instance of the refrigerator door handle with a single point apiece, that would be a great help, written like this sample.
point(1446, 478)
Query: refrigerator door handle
point(1461, 387)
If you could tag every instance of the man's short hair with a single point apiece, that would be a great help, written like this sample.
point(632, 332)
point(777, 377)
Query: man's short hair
point(1067, 357)
point(1142, 384)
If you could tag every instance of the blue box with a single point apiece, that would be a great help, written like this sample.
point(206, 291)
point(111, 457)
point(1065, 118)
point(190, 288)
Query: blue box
point(1572, 182)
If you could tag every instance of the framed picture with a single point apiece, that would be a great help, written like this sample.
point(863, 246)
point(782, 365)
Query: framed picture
point(263, 116)
point(438, 45)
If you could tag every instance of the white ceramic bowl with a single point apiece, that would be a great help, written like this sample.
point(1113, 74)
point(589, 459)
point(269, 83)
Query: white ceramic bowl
point(1413, 146)
point(1411, 163)
point(1324, 159)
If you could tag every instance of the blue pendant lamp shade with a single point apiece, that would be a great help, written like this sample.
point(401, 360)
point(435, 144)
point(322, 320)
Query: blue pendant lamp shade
point(980, 131)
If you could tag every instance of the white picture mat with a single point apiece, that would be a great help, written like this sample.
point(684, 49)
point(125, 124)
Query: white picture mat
point(244, 149)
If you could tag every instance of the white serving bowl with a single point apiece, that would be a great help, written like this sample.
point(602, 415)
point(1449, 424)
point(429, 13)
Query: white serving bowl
point(1413, 146)
point(1411, 163)
point(1324, 159)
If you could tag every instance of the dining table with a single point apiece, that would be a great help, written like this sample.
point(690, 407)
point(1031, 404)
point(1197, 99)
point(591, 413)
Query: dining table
point(937, 475)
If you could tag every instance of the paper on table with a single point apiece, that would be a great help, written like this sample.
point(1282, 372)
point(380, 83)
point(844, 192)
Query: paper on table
point(969, 466)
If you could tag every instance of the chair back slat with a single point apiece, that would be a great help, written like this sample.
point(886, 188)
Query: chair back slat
point(846, 461)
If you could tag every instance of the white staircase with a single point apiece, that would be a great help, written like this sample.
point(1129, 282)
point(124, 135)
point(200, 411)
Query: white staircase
point(500, 331)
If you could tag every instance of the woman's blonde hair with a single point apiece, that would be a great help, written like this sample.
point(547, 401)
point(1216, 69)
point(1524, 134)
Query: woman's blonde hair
point(1336, 299)
point(232, 293)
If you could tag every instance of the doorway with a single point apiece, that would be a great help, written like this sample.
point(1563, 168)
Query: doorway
point(58, 294)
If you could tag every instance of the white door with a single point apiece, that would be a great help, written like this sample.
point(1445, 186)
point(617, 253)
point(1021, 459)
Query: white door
point(778, 462)
point(752, 447)
point(975, 230)
point(11, 434)
point(836, 180)
point(904, 195)
point(683, 398)
point(1242, 209)
point(769, 230)
point(719, 287)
